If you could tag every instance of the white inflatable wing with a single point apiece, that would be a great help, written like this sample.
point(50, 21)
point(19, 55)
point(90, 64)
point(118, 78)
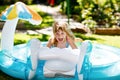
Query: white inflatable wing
point(60, 61)
point(85, 50)
point(65, 54)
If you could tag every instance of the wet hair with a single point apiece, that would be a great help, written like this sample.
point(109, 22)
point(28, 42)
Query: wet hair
point(64, 27)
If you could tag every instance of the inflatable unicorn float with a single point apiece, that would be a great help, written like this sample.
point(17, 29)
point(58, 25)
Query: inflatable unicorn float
point(34, 60)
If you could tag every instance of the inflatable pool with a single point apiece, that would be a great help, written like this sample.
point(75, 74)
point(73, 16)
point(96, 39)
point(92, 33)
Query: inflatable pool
point(102, 62)
point(94, 61)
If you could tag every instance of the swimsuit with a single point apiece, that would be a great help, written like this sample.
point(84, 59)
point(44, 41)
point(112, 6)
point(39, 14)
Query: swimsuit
point(67, 45)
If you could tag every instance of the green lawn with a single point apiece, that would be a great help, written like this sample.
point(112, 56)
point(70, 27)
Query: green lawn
point(108, 40)
point(102, 39)
point(112, 40)
point(23, 38)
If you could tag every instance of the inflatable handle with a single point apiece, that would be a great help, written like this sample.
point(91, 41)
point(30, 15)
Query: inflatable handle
point(7, 35)
point(85, 49)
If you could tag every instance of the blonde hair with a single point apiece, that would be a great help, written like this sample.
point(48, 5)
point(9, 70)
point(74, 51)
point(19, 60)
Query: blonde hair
point(64, 27)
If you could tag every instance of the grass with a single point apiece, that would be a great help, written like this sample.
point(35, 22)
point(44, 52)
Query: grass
point(108, 40)
point(23, 38)
point(111, 40)
point(4, 76)
point(102, 39)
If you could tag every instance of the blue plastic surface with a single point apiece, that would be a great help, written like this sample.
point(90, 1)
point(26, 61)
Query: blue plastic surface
point(16, 63)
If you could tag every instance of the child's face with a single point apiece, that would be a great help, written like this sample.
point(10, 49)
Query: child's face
point(60, 36)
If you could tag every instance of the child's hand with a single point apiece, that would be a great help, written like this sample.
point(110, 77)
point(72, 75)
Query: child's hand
point(71, 42)
point(69, 39)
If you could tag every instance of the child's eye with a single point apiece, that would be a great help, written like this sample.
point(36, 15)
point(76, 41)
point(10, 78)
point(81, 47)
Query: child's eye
point(57, 34)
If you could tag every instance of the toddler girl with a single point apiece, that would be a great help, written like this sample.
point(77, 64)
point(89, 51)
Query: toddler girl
point(62, 36)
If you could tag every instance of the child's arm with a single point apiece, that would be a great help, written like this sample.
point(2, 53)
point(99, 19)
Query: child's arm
point(49, 44)
point(71, 42)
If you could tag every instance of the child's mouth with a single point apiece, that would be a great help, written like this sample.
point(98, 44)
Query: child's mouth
point(60, 39)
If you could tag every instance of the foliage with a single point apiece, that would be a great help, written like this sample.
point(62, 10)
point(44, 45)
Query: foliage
point(47, 19)
point(89, 23)
point(8, 2)
point(2, 8)
point(71, 5)
point(100, 11)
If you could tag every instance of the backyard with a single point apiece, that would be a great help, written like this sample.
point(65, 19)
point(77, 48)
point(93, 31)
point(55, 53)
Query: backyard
point(47, 21)
point(21, 38)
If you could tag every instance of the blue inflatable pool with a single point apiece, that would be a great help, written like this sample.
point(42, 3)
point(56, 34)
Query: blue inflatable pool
point(104, 63)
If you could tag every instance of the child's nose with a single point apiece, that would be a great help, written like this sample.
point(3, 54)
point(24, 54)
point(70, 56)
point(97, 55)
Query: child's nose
point(60, 36)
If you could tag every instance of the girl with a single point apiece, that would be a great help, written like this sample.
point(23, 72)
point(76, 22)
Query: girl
point(62, 36)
